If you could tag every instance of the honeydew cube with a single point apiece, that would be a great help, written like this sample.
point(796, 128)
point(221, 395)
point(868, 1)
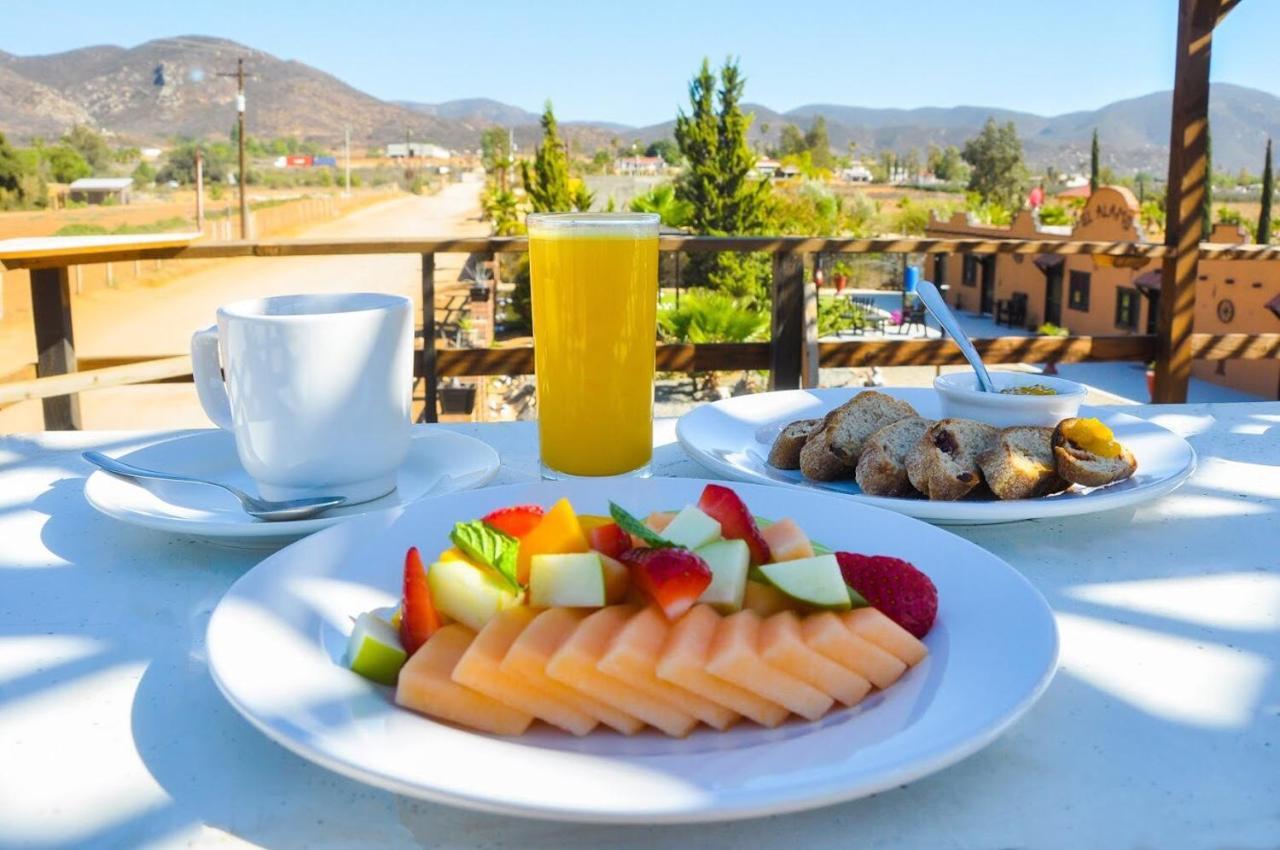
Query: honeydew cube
point(691, 528)
point(467, 593)
point(815, 581)
point(729, 561)
point(374, 650)
point(566, 581)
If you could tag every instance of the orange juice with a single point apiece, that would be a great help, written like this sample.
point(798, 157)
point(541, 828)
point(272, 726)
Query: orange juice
point(595, 295)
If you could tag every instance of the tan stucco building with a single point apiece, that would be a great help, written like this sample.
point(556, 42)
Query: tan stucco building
point(1100, 296)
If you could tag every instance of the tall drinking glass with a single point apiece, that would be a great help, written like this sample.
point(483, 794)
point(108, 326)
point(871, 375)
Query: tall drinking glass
point(595, 299)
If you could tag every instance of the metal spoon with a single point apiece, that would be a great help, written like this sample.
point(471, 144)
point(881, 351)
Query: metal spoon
point(932, 298)
point(262, 509)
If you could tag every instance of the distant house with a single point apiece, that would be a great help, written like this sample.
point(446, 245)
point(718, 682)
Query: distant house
point(639, 165)
point(766, 167)
point(416, 150)
point(856, 174)
point(97, 190)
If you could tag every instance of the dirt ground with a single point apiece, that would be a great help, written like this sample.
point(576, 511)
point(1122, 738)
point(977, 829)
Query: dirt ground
point(159, 320)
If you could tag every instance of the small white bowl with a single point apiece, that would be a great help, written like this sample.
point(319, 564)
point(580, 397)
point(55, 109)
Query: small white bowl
point(961, 398)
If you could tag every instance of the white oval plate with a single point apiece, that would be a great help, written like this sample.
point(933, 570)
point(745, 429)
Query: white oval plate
point(276, 643)
point(733, 437)
point(438, 462)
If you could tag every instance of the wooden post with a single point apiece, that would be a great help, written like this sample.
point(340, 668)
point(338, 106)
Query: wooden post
point(427, 370)
point(1188, 161)
point(55, 344)
point(809, 341)
point(786, 338)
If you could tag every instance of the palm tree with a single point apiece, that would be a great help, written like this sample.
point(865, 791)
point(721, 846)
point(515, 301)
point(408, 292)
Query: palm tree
point(662, 200)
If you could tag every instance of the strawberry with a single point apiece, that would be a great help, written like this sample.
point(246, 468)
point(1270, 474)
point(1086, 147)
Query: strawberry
point(516, 521)
point(418, 616)
point(672, 579)
point(736, 522)
point(609, 539)
point(901, 592)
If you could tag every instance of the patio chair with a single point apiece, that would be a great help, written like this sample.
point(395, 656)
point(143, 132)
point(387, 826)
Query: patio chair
point(913, 318)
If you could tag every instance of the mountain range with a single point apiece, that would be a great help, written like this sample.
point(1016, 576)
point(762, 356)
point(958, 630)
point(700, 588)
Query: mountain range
point(176, 87)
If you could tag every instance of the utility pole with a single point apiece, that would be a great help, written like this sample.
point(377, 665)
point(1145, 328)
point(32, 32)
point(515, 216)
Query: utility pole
point(244, 206)
point(347, 130)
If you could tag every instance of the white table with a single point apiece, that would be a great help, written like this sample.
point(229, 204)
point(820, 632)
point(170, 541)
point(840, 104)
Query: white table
point(1162, 728)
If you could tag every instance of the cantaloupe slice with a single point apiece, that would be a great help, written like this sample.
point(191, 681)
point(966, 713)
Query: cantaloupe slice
point(786, 541)
point(871, 624)
point(479, 668)
point(558, 532)
point(574, 664)
point(684, 660)
point(782, 645)
point(528, 657)
point(765, 599)
point(828, 634)
point(633, 658)
point(426, 685)
point(659, 520)
point(734, 657)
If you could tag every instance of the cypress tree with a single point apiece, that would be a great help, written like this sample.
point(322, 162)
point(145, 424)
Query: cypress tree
point(1206, 209)
point(1268, 189)
point(1093, 163)
point(724, 196)
point(547, 183)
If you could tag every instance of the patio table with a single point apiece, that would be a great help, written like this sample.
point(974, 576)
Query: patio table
point(1162, 728)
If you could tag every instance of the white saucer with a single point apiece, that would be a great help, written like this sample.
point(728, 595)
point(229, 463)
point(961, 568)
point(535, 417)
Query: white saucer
point(439, 462)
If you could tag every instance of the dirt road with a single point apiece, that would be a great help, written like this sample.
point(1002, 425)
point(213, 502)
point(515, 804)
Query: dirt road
point(159, 320)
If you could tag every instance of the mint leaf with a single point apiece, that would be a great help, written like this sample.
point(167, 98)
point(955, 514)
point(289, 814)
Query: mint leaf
point(488, 546)
point(631, 525)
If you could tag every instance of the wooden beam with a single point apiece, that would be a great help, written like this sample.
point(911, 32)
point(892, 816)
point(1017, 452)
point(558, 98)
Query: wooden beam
point(786, 334)
point(427, 359)
point(50, 388)
point(1009, 349)
point(1188, 164)
point(809, 331)
point(55, 343)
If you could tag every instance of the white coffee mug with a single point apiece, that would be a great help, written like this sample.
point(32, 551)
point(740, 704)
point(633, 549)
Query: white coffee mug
point(316, 390)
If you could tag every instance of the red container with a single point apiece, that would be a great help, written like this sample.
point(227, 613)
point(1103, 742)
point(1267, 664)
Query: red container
point(298, 161)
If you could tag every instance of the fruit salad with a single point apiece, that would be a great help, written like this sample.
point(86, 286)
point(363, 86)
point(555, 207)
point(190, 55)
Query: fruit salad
point(705, 615)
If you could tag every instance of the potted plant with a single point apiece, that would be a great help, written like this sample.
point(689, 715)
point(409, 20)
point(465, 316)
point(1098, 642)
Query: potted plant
point(840, 272)
point(457, 397)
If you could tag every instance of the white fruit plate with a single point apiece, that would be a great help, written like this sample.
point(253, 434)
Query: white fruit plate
point(733, 437)
point(277, 639)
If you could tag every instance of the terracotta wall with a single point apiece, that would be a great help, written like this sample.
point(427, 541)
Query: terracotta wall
point(1230, 296)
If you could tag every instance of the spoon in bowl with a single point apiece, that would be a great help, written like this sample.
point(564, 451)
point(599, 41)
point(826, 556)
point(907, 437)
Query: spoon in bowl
point(932, 298)
point(263, 509)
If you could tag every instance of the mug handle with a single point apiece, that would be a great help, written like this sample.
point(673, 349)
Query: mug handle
point(207, 372)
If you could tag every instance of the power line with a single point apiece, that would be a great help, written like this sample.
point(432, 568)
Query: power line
point(240, 104)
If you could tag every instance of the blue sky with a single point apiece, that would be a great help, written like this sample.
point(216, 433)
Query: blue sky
point(630, 63)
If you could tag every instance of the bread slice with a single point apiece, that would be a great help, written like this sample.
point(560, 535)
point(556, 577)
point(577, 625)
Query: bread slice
point(785, 453)
point(832, 451)
point(882, 467)
point(1086, 468)
point(943, 464)
point(1021, 464)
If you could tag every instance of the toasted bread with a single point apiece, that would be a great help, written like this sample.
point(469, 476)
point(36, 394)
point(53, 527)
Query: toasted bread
point(1021, 465)
point(1085, 468)
point(943, 464)
point(882, 467)
point(832, 450)
point(785, 453)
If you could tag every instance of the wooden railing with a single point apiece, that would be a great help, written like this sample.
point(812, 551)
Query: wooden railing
point(792, 355)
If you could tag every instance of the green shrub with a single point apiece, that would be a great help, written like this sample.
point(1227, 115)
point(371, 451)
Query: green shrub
point(709, 316)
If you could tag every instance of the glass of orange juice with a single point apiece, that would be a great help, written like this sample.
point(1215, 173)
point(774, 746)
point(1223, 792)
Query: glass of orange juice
point(595, 300)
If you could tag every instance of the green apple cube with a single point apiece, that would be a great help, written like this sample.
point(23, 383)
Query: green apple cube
point(566, 581)
point(691, 528)
point(728, 560)
point(374, 650)
point(467, 593)
point(815, 581)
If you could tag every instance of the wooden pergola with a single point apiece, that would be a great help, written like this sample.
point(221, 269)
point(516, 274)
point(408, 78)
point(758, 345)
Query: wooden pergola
point(1185, 192)
point(793, 354)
